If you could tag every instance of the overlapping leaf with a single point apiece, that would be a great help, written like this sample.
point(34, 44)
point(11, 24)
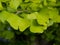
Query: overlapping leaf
point(34, 6)
point(3, 16)
point(54, 15)
point(36, 28)
point(38, 19)
point(43, 20)
point(15, 3)
point(15, 21)
point(32, 16)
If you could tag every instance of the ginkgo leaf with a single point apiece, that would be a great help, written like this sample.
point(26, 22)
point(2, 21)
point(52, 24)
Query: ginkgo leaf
point(54, 15)
point(34, 6)
point(13, 21)
point(23, 24)
point(1, 7)
point(51, 22)
point(10, 9)
point(3, 16)
point(17, 22)
point(35, 28)
point(44, 11)
point(56, 19)
point(53, 12)
point(15, 3)
point(36, 14)
point(24, 5)
point(32, 15)
point(43, 20)
point(23, 15)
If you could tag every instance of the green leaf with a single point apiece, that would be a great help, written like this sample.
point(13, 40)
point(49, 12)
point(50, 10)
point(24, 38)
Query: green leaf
point(32, 16)
point(36, 28)
point(13, 21)
point(27, 0)
point(23, 24)
point(42, 19)
point(34, 6)
point(36, 1)
point(1, 7)
point(23, 15)
point(51, 22)
point(54, 15)
point(56, 19)
point(15, 3)
point(52, 0)
point(45, 2)
point(5, 0)
point(10, 9)
point(17, 22)
point(24, 5)
point(3, 16)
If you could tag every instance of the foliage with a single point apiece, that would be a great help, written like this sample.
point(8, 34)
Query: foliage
point(37, 15)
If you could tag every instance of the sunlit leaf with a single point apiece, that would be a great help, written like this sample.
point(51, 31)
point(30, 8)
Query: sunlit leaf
point(36, 28)
point(32, 15)
point(43, 20)
point(3, 16)
point(15, 3)
point(13, 21)
point(54, 15)
point(23, 24)
point(1, 7)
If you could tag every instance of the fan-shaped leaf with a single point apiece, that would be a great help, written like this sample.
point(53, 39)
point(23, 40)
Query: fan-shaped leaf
point(15, 3)
point(36, 28)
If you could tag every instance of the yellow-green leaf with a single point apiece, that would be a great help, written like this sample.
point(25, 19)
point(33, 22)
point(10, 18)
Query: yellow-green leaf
point(23, 24)
point(3, 16)
point(32, 16)
point(15, 3)
point(43, 20)
point(13, 21)
point(36, 28)
point(1, 7)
